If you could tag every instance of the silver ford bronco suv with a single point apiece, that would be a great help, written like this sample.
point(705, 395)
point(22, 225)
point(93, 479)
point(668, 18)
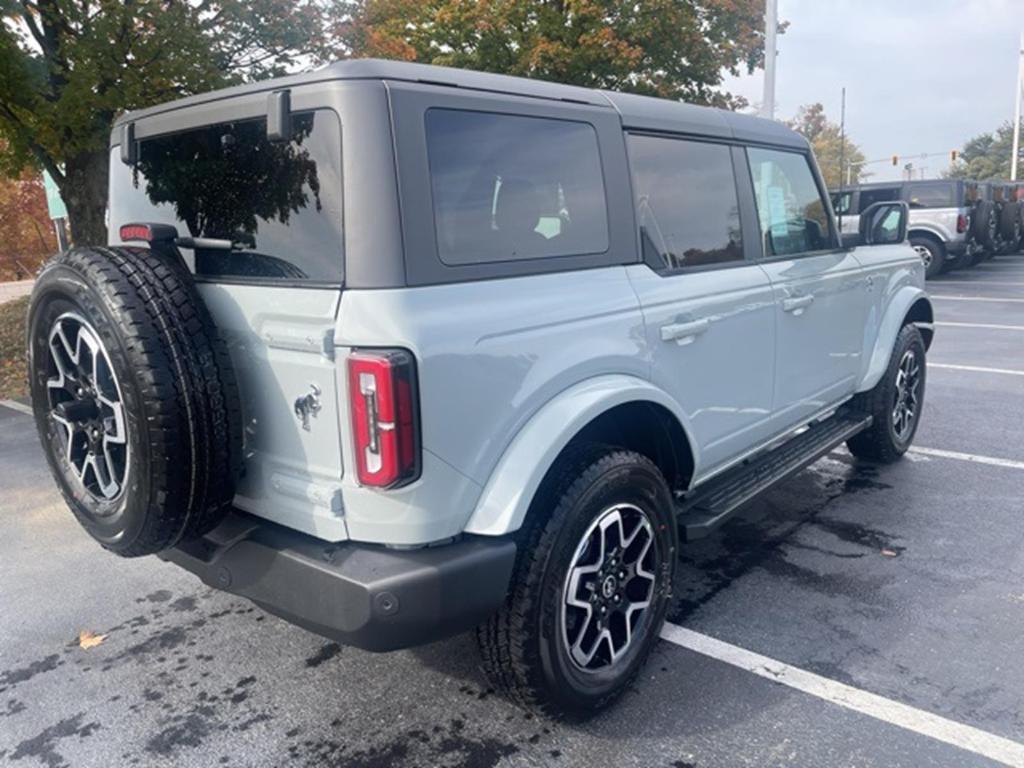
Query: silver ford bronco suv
point(946, 227)
point(397, 352)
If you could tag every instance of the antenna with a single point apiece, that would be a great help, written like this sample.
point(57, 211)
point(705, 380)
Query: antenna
point(1016, 112)
point(842, 156)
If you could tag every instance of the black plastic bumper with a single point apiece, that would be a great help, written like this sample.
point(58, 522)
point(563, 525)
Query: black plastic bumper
point(368, 596)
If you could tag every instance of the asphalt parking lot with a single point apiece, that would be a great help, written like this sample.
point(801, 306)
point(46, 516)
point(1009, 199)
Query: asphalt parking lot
point(900, 590)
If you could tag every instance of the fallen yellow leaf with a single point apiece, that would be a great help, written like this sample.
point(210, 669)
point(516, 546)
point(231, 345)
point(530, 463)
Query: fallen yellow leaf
point(87, 639)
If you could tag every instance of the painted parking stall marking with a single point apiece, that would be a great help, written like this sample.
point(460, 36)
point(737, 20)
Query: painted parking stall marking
point(986, 326)
point(992, 299)
point(15, 406)
point(975, 369)
point(909, 718)
point(971, 457)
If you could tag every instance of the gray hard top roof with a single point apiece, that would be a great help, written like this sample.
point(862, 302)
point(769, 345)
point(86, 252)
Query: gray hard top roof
point(638, 112)
point(899, 183)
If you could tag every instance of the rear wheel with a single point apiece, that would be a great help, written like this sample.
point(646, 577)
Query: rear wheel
point(895, 402)
point(932, 253)
point(591, 585)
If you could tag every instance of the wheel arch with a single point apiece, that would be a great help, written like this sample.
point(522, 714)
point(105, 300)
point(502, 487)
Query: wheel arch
point(617, 409)
point(909, 305)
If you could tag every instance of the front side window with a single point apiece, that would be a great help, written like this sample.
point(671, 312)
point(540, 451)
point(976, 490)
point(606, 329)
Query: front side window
point(274, 208)
point(686, 202)
point(841, 203)
point(508, 187)
point(931, 196)
point(793, 215)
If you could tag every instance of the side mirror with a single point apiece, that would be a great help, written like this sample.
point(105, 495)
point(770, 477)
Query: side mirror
point(884, 223)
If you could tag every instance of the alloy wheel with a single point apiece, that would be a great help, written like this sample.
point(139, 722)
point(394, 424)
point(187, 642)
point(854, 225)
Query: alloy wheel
point(86, 404)
point(906, 404)
point(609, 587)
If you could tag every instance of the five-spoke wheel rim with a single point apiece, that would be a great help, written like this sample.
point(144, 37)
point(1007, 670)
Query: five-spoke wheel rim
point(86, 406)
point(609, 587)
point(907, 398)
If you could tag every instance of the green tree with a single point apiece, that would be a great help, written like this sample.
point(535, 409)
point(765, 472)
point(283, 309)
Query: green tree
point(987, 156)
point(670, 48)
point(68, 67)
point(834, 156)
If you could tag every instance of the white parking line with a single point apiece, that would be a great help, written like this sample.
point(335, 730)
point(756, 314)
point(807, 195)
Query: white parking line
point(997, 283)
point(989, 326)
point(971, 457)
point(21, 408)
point(975, 369)
point(909, 718)
point(946, 297)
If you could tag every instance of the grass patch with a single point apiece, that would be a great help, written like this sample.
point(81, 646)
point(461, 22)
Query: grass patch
point(13, 373)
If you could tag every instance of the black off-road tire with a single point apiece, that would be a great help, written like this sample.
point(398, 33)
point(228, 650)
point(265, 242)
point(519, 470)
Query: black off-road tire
point(1009, 224)
point(935, 263)
point(521, 646)
point(880, 442)
point(984, 225)
point(178, 389)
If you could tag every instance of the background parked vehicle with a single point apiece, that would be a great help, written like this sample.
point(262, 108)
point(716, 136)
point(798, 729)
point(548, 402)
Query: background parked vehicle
point(940, 217)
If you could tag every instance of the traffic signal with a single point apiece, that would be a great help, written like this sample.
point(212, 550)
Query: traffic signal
point(952, 156)
point(895, 160)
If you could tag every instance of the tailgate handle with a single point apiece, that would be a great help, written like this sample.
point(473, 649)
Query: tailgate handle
point(684, 333)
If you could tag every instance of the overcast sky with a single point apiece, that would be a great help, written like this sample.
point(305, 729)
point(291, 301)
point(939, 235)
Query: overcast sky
point(920, 75)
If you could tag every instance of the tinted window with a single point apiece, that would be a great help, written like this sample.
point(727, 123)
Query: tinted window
point(931, 196)
point(507, 187)
point(793, 215)
point(685, 201)
point(841, 203)
point(279, 203)
point(879, 195)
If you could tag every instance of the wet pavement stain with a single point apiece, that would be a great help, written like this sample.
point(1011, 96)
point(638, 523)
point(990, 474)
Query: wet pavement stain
point(43, 747)
point(326, 652)
point(12, 677)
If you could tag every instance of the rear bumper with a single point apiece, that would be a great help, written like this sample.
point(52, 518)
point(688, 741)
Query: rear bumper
point(357, 594)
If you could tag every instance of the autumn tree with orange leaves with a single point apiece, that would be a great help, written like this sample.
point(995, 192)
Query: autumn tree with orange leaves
point(675, 49)
point(27, 238)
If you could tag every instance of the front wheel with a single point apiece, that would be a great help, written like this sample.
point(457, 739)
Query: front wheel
point(591, 585)
point(895, 402)
point(933, 255)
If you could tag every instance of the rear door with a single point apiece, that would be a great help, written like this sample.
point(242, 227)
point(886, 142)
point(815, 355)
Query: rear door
point(272, 284)
point(821, 291)
point(708, 309)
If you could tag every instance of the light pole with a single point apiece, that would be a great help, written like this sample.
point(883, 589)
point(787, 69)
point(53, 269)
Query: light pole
point(1016, 111)
point(771, 25)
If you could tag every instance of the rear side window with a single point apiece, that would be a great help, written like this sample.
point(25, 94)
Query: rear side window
point(508, 188)
point(275, 207)
point(686, 202)
point(932, 196)
point(793, 215)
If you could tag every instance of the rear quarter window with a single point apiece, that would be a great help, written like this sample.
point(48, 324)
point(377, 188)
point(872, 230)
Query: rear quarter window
point(510, 188)
point(278, 203)
point(932, 196)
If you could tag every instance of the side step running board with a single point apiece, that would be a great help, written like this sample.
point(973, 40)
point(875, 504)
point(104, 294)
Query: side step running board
point(711, 504)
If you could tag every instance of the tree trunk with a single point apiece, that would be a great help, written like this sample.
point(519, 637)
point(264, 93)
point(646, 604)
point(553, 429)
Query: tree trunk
point(85, 194)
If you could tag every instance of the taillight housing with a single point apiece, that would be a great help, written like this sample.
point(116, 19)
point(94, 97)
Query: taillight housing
point(961, 223)
point(385, 420)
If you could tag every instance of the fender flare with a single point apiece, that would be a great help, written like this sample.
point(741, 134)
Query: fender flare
point(506, 497)
point(928, 230)
point(899, 306)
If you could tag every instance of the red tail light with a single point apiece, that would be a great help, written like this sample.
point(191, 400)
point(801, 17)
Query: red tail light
point(382, 400)
point(146, 232)
point(961, 223)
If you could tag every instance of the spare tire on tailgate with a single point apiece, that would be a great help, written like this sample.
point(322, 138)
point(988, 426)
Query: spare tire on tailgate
point(135, 399)
point(983, 223)
point(1009, 223)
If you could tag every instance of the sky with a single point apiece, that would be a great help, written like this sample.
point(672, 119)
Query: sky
point(921, 76)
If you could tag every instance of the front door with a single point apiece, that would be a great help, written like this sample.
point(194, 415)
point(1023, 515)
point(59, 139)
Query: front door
point(821, 291)
point(708, 310)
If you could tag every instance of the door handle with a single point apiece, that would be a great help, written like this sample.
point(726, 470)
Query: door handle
point(797, 304)
point(684, 333)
